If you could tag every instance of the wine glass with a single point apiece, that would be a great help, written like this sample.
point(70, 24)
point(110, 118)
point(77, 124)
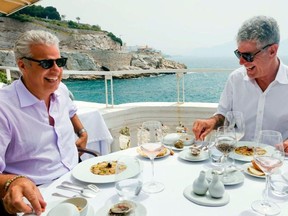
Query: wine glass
point(269, 163)
point(225, 142)
point(150, 143)
point(235, 119)
point(128, 178)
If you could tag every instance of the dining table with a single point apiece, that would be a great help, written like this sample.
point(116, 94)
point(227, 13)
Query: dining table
point(178, 175)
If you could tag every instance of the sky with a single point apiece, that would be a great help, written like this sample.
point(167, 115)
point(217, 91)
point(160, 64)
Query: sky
point(175, 27)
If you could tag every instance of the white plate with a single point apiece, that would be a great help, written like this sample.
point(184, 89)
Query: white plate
point(239, 157)
point(206, 200)
point(245, 168)
point(82, 170)
point(186, 155)
point(166, 154)
point(238, 177)
point(52, 204)
point(140, 210)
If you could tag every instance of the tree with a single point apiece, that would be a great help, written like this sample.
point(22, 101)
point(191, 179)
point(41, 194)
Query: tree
point(78, 19)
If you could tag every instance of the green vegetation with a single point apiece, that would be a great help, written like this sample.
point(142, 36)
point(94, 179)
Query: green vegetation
point(51, 15)
point(3, 78)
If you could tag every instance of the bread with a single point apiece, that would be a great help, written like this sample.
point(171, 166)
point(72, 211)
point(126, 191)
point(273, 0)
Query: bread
point(254, 171)
point(255, 166)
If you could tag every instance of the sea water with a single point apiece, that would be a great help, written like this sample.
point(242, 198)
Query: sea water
point(199, 86)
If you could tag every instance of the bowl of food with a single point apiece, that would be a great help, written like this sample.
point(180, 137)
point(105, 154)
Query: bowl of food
point(80, 203)
point(187, 139)
point(122, 208)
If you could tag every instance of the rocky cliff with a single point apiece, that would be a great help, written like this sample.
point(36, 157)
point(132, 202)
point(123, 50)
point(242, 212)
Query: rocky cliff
point(86, 50)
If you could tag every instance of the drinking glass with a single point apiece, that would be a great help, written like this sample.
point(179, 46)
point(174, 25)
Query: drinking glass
point(269, 163)
point(127, 184)
point(225, 142)
point(150, 143)
point(235, 119)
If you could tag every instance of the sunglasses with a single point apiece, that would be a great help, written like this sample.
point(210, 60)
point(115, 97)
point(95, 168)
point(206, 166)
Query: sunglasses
point(48, 63)
point(249, 57)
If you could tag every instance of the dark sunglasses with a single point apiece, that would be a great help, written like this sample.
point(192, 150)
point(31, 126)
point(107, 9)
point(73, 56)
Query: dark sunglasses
point(48, 63)
point(249, 57)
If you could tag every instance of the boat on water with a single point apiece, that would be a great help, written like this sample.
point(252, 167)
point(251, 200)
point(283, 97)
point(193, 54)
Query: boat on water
point(131, 115)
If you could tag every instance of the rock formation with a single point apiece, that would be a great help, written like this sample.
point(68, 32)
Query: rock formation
point(86, 50)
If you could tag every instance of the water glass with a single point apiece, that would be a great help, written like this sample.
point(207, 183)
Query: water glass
point(279, 185)
point(128, 188)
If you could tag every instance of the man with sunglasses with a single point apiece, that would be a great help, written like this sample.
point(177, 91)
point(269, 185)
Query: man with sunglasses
point(38, 122)
point(259, 89)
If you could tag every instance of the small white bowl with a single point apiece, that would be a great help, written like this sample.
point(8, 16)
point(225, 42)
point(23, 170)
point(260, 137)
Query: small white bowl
point(187, 139)
point(171, 139)
point(80, 203)
point(67, 209)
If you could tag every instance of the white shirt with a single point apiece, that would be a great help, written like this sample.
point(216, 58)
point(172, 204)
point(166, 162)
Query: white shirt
point(266, 110)
point(29, 145)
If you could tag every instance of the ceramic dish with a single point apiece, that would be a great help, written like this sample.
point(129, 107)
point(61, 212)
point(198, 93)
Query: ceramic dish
point(238, 177)
point(245, 168)
point(170, 139)
point(82, 171)
point(206, 200)
point(50, 205)
point(239, 157)
point(143, 155)
point(186, 155)
point(139, 210)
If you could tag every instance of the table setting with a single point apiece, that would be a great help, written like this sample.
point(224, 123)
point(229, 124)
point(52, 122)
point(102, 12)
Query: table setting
point(144, 184)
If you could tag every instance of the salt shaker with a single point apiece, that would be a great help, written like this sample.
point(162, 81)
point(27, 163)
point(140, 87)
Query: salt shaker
point(216, 187)
point(200, 185)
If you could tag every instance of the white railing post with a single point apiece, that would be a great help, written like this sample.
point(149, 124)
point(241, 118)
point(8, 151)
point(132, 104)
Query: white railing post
point(109, 77)
point(180, 76)
point(8, 75)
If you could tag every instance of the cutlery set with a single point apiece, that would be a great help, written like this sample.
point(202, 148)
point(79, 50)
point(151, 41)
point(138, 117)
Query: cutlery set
point(88, 191)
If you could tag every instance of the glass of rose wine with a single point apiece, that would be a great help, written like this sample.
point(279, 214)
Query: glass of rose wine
point(269, 162)
point(150, 143)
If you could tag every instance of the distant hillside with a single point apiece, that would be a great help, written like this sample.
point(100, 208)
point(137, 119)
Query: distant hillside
point(86, 49)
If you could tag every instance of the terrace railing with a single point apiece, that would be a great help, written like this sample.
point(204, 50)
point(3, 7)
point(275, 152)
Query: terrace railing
point(108, 76)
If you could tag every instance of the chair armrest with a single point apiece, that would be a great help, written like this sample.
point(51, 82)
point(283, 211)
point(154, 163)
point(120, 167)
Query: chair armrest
point(89, 151)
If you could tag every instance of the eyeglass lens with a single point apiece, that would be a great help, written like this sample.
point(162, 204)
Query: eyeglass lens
point(46, 64)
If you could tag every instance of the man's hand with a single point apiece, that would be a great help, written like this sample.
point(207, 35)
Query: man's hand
point(82, 141)
point(286, 147)
point(201, 128)
point(23, 187)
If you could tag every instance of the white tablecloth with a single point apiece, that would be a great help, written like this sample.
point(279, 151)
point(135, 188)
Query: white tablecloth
point(99, 136)
point(176, 174)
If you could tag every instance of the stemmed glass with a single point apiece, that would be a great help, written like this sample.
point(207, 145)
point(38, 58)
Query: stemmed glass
point(269, 163)
point(235, 119)
point(128, 177)
point(150, 143)
point(225, 142)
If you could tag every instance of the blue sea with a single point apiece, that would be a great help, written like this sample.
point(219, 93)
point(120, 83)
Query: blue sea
point(199, 86)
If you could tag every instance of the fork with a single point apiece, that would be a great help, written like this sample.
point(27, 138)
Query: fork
point(92, 187)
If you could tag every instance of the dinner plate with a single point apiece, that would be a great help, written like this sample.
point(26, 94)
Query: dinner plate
point(141, 154)
point(245, 158)
point(50, 205)
point(186, 155)
point(139, 210)
point(238, 177)
point(245, 169)
point(82, 170)
point(206, 200)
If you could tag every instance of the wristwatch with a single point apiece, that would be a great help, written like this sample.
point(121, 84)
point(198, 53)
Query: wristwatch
point(83, 130)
